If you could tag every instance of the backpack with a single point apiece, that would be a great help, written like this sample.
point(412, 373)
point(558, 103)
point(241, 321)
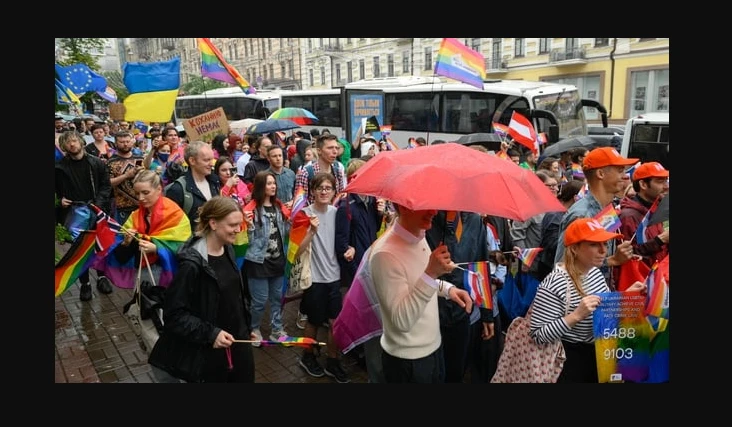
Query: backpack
point(187, 195)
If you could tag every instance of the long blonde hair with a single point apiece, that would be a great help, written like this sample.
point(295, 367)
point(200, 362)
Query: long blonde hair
point(570, 264)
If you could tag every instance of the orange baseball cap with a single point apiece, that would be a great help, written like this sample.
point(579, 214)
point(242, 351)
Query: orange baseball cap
point(586, 230)
point(605, 156)
point(650, 170)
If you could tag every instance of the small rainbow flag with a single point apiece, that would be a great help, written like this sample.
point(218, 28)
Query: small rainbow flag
point(298, 231)
point(214, 66)
point(476, 277)
point(577, 171)
point(289, 342)
point(500, 129)
point(542, 138)
point(609, 218)
point(459, 62)
point(299, 201)
point(657, 298)
point(241, 244)
point(528, 255)
point(75, 261)
point(640, 231)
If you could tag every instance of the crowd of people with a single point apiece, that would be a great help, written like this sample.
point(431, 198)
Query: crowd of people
point(184, 205)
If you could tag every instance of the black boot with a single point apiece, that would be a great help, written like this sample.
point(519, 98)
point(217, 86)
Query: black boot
point(104, 285)
point(86, 292)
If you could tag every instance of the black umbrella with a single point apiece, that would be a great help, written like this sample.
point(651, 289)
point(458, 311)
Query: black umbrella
point(661, 213)
point(556, 149)
point(491, 141)
point(271, 125)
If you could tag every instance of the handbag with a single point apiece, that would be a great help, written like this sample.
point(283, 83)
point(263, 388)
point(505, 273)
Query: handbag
point(300, 274)
point(145, 310)
point(525, 361)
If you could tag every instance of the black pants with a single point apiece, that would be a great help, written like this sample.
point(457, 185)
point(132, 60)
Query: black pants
point(483, 359)
point(425, 370)
point(456, 343)
point(581, 364)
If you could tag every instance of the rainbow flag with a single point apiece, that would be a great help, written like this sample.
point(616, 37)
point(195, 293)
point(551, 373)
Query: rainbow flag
point(622, 338)
point(299, 201)
point(577, 171)
point(214, 66)
point(75, 261)
point(609, 218)
point(360, 317)
point(298, 231)
point(169, 229)
point(291, 342)
point(477, 280)
point(542, 138)
point(241, 244)
point(500, 129)
point(528, 255)
point(657, 298)
point(459, 62)
point(640, 232)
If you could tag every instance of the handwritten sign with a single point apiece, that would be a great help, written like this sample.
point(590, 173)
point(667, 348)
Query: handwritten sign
point(206, 126)
point(623, 337)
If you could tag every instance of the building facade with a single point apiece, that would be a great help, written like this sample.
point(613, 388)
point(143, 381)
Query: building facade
point(629, 76)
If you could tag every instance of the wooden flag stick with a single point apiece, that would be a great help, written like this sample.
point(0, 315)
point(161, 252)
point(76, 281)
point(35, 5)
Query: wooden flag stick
point(290, 343)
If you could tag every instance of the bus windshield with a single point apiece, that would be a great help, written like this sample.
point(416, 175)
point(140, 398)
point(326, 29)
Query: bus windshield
point(567, 107)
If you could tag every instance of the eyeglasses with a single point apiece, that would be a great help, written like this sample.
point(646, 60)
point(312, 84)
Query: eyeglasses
point(552, 186)
point(324, 189)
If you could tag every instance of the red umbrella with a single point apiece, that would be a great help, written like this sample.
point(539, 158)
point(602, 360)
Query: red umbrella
point(454, 177)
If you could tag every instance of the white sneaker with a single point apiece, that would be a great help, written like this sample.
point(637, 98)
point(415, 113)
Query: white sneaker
point(302, 319)
point(257, 337)
point(276, 335)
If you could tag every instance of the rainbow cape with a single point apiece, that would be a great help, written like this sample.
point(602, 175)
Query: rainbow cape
point(528, 255)
point(75, 261)
point(477, 280)
point(169, 229)
point(214, 66)
point(459, 62)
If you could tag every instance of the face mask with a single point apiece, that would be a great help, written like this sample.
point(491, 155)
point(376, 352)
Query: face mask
point(163, 156)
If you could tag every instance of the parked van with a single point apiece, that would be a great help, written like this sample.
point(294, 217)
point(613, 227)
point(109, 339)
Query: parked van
point(646, 137)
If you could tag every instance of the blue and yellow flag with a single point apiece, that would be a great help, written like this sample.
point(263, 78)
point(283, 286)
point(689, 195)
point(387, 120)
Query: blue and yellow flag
point(65, 95)
point(153, 89)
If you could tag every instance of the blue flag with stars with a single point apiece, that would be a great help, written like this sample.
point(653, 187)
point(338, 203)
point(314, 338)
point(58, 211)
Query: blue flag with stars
point(80, 78)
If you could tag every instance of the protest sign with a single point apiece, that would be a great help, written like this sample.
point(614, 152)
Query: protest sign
point(204, 127)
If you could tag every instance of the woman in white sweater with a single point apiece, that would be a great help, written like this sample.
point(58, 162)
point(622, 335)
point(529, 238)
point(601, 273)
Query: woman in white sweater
point(404, 272)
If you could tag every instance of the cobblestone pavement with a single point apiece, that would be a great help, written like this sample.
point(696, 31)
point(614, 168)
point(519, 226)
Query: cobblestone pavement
point(95, 344)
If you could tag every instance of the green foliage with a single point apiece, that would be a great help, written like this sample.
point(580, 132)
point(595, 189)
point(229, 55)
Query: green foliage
point(78, 50)
point(199, 84)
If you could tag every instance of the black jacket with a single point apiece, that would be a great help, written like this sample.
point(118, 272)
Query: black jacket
point(190, 312)
point(99, 176)
point(175, 193)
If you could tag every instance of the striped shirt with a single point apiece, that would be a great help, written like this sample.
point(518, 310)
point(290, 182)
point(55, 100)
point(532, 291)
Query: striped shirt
point(547, 317)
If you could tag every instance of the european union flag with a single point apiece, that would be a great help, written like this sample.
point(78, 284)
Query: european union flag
point(80, 78)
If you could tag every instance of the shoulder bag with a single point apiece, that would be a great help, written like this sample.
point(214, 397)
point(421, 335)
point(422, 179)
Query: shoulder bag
point(300, 274)
point(525, 361)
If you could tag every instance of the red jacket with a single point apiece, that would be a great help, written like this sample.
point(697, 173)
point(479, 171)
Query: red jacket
point(632, 212)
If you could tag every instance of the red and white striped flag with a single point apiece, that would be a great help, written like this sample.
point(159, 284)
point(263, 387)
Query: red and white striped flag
point(522, 131)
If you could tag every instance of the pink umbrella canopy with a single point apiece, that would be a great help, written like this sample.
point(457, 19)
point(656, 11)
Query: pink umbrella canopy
point(454, 177)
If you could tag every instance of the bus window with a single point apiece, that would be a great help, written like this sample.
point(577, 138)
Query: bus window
point(411, 111)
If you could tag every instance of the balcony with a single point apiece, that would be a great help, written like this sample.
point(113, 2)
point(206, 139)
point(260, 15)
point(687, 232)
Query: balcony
point(561, 57)
point(167, 44)
point(496, 66)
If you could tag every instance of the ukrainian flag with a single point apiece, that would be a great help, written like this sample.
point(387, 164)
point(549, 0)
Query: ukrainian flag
point(153, 89)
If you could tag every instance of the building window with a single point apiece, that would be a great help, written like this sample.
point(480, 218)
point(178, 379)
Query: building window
point(390, 65)
point(602, 42)
point(321, 42)
point(264, 72)
point(269, 45)
point(310, 45)
point(292, 68)
point(322, 76)
point(648, 91)
point(283, 72)
point(362, 69)
point(338, 73)
point(311, 78)
point(496, 54)
point(376, 71)
point(646, 39)
point(571, 44)
point(405, 63)
point(428, 58)
point(251, 47)
point(349, 71)
point(475, 44)
point(544, 46)
point(246, 49)
point(518, 48)
point(348, 41)
point(588, 87)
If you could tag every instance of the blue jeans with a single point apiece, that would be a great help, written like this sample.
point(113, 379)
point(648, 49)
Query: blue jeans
point(261, 289)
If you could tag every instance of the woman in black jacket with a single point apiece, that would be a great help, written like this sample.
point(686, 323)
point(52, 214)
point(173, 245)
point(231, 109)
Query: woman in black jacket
point(207, 305)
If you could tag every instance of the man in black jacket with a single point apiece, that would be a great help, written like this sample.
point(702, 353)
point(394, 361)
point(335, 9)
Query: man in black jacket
point(81, 177)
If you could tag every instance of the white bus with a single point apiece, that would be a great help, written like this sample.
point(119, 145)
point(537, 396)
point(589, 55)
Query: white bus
point(427, 107)
point(325, 104)
point(236, 104)
point(646, 138)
